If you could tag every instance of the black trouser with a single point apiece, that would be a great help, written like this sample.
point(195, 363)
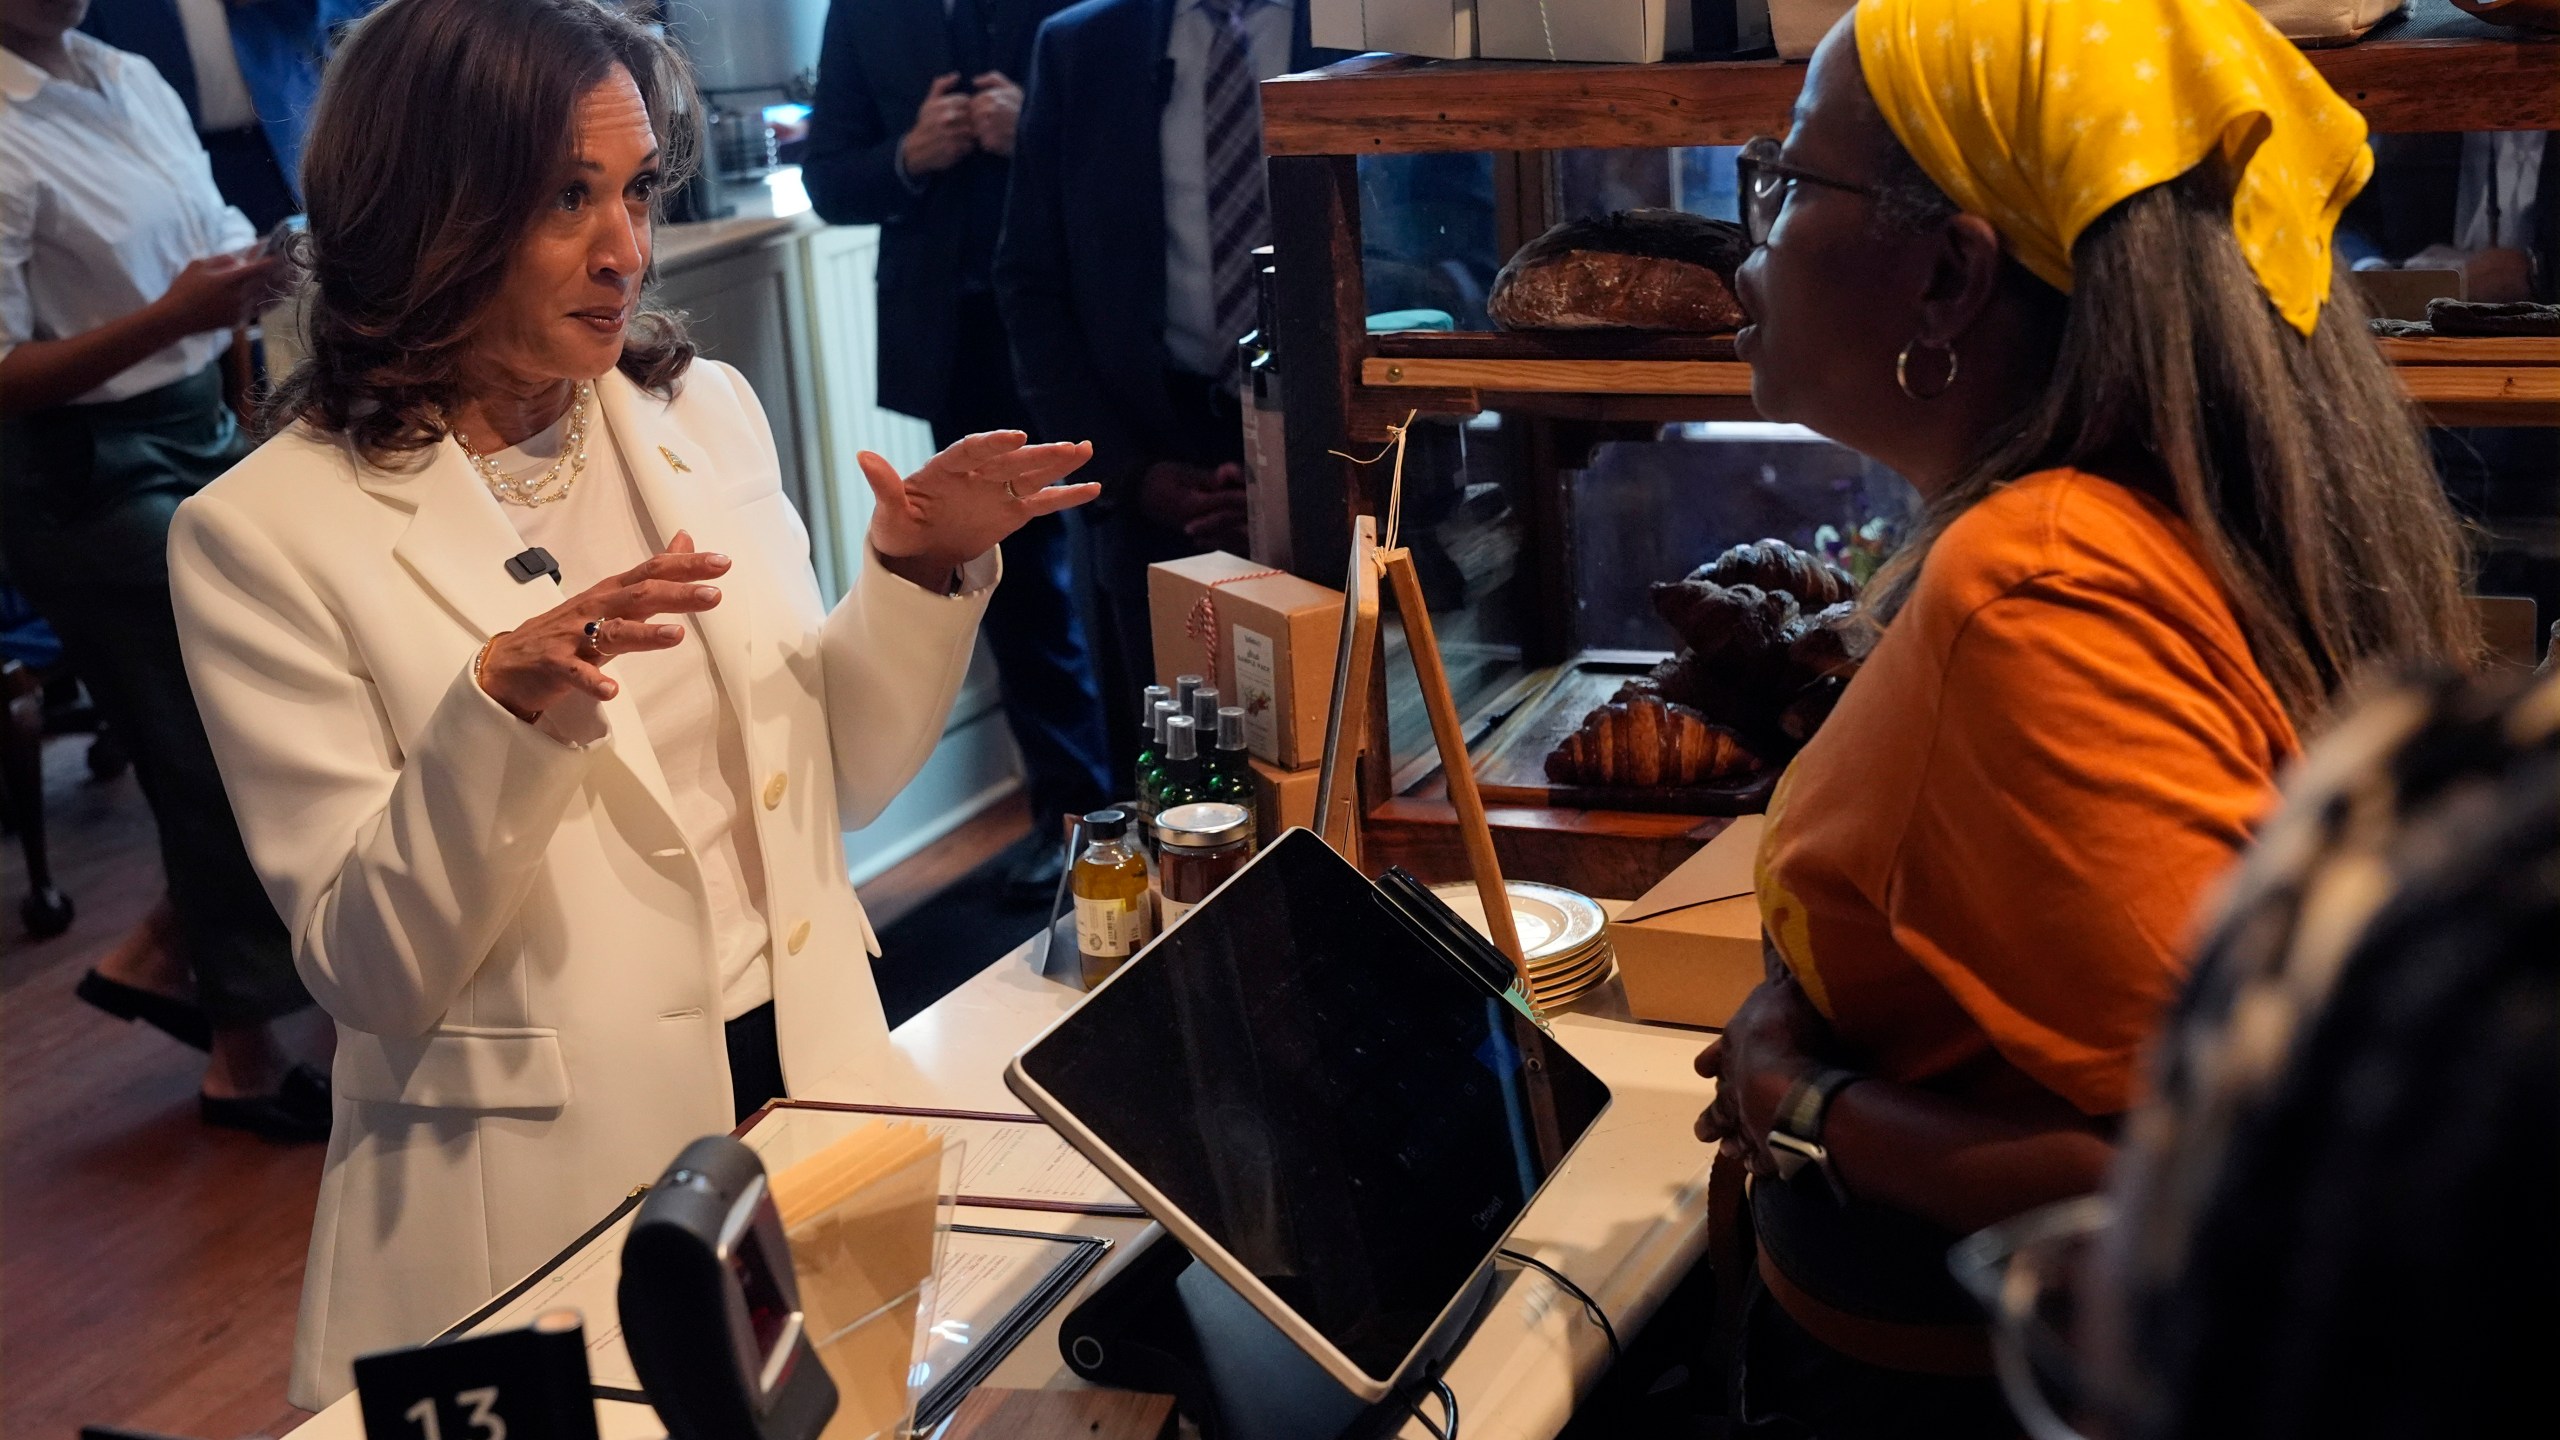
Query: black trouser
point(755, 1061)
point(1052, 700)
point(1208, 430)
point(85, 522)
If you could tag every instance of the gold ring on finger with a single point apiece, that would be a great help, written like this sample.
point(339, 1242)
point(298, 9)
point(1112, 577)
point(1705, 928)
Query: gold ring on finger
point(595, 636)
point(1009, 490)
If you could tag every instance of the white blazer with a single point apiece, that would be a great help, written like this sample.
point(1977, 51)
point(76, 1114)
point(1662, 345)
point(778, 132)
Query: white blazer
point(509, 930)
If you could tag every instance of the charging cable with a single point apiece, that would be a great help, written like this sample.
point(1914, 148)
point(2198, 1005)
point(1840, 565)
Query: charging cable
point(1590, 1306)
point(1447, 1427)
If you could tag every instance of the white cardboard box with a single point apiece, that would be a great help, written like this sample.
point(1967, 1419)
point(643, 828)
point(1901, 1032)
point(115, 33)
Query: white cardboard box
point(1439, 29)
point(1630, 31)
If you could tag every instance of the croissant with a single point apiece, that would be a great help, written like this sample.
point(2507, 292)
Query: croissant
point(1822, 646)
point(1816, 583)
point(1642, 740)
point(1718, 621)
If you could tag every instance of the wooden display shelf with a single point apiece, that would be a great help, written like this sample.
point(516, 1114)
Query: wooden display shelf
point(2460, 381)
point(2436, 69)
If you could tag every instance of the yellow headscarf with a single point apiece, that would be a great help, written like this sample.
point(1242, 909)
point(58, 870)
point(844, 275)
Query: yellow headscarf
point(2038, 115)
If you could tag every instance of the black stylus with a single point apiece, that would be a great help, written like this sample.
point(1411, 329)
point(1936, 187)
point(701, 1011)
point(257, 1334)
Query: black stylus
point(1432, 915)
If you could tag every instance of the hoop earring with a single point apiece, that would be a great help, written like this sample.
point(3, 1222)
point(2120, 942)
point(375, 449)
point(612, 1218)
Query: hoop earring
point(1902, 370)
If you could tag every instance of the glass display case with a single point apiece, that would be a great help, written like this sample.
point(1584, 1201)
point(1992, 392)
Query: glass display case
point(1551, 479)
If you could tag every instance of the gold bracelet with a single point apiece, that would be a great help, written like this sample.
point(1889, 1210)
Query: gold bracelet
point(481, 659)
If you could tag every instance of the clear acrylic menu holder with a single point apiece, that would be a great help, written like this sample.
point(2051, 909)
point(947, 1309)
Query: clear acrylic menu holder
point(866, 1267)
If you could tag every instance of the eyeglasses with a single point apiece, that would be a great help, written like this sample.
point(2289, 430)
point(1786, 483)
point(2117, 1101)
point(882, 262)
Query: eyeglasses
point(1765, 181)
point(2031, 1274)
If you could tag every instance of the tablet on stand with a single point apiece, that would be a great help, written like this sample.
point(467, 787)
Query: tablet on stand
point(1336, 1111)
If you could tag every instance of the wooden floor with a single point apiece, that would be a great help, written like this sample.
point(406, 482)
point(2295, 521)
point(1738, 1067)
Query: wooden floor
point(149, 1266)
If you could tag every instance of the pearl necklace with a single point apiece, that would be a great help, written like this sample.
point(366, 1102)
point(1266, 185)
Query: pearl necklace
point(552, 484)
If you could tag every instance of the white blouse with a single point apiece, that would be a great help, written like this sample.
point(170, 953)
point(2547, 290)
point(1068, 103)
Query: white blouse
point(599, 531)
point(105, 195)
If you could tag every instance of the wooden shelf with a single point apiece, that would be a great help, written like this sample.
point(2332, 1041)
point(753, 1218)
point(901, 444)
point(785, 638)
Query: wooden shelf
point(2436, 69)
point(2466, 381)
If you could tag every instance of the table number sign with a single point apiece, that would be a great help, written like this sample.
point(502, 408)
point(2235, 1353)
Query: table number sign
point(528, 1384)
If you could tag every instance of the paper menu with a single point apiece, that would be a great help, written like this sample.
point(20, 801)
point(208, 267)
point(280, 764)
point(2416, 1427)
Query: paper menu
point(991, 1287)
point(1007, 1161)
point(584, 1278)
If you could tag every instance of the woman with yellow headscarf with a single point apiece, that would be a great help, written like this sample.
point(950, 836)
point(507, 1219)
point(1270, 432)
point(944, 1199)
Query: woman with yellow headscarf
point(2065, 265)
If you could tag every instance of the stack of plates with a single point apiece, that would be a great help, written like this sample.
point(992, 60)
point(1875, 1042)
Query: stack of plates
point(1565, 936)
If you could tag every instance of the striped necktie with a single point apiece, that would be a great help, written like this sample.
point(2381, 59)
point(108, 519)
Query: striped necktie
point(1231, 146)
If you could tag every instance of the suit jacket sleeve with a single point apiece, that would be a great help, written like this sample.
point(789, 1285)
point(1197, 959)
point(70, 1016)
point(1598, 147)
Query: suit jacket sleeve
point(395, 873)
point(893, 654)
point(1035, 289)
point(851, 166)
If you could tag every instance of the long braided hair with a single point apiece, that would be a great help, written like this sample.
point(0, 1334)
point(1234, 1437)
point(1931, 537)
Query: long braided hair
point(2337, 1215)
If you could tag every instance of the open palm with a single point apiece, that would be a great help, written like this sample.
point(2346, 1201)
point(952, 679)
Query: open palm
point(981, 489)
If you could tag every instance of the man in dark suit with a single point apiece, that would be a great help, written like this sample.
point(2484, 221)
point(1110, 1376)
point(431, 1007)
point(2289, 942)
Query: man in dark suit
point(1126, 276)
point(248, 70)
point(912, 129)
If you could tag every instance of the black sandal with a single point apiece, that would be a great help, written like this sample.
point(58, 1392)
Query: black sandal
point(181, 1020)
point(297, 1114)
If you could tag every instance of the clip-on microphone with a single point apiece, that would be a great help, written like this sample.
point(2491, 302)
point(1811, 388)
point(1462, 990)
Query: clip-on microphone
point(536, 561)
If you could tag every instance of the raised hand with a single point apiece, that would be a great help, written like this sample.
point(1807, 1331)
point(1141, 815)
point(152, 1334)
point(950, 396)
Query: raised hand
point(964, 500)
point(537, 664)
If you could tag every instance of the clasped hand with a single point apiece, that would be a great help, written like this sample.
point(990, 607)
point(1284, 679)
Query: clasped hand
point(1771, 1042)
point(953, 121)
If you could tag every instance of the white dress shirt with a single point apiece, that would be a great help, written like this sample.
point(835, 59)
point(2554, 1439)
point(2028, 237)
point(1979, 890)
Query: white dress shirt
point(1191, 334)
point(222, 92)
point(105, 195)
point(599, 531)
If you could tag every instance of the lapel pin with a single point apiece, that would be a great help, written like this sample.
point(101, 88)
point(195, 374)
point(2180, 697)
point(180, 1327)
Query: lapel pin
point(673, 461)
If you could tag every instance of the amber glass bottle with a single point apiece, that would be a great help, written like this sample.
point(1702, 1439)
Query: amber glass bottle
point(1115, 916)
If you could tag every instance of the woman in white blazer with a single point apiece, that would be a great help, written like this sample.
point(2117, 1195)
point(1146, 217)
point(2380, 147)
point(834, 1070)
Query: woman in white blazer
point(558, 836)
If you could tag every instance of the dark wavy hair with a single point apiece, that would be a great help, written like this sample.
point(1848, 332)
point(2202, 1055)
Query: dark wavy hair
point(438, 135)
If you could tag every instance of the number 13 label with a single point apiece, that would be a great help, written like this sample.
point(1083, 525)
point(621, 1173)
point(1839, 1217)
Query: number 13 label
point(485, 1421)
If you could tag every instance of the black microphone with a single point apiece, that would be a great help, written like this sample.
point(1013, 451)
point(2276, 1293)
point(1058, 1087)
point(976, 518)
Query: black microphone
point(536, 561)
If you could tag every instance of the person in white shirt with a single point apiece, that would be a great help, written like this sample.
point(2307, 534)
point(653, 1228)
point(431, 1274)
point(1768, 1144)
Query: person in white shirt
point(540, 733)
point(122, 275)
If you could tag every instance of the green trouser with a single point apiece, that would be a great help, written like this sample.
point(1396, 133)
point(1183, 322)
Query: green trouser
point(86, 495)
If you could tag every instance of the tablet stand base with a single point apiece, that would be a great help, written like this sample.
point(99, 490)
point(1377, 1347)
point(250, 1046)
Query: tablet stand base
point(1169, 1324)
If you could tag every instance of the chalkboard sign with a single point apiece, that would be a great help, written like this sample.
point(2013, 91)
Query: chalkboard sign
point(528, 1384)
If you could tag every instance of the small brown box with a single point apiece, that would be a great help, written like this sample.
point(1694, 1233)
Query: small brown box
point(1689, 950)
point(1283, 798)
point(1276, 637)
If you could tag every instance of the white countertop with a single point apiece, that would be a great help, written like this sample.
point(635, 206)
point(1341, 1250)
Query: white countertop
point(1626, 1217)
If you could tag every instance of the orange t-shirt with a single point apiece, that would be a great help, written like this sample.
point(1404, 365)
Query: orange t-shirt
point(1999, 840)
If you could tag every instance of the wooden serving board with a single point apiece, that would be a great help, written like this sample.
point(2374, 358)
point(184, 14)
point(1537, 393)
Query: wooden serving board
point(1512, 767)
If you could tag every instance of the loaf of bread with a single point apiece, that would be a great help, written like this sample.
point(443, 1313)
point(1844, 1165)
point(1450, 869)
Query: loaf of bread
point(1644, 740)
point(1631, 270)
point(1816, 583)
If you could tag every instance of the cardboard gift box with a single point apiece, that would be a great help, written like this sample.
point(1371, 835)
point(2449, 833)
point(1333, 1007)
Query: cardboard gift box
point(1631, 31)
point(1267, 637)
point(1689, 949)
point(1440, 29)
point(1283, 798)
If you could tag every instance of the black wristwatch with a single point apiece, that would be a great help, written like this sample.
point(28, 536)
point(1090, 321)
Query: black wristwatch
point(1795, 1137)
